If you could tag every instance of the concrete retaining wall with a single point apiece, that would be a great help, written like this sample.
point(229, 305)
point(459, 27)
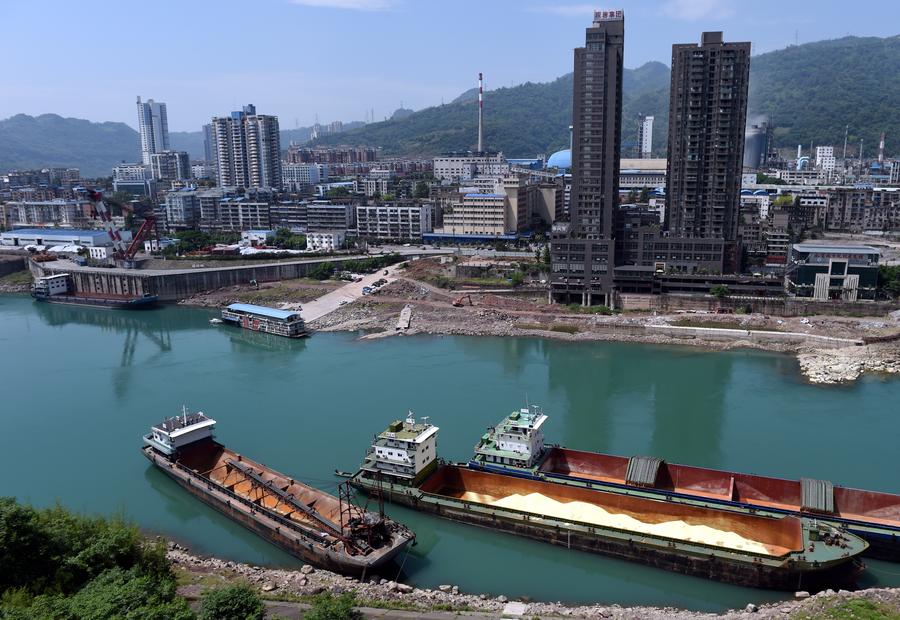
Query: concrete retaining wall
point(773, 306)
point(180, 284)
point(11, 264)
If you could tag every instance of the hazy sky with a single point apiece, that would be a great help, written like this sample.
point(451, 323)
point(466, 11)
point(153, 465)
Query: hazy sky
point(338, 58)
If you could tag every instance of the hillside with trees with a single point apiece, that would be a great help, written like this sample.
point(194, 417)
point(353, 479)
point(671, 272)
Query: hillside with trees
point(812, 92)
point(52, 141)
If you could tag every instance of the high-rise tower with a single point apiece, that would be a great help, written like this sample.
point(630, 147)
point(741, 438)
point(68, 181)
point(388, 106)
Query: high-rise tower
point(583, 252)
point(248, 149)
point(645, 136)
point(154, 128)
point(707, 116)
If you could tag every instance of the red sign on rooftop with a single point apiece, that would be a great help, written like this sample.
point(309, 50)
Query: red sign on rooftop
point(607, 16)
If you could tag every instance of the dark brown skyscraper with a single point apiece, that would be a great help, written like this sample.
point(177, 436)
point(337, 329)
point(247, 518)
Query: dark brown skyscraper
point(707, 115)
point(583, 253)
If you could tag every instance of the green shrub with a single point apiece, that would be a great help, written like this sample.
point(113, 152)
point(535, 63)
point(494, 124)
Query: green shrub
point(59, 565)
point(329, 607)
point(238, 602)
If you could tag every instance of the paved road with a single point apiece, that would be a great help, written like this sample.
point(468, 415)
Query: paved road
point(351, 291)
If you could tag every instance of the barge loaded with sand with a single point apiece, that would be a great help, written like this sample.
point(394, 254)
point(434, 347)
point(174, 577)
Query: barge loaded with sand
point(516, 447)
point(327, 531)
point(783, 553)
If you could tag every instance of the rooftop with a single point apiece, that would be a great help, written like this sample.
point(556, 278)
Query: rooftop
point(271, 313)
point(835, 249)
point(179, 425)
point(67, 232)
point(409, 430)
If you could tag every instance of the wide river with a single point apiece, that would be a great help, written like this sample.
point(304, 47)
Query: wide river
point(81, 385)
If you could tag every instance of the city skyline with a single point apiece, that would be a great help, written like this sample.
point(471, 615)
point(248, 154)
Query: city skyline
point(421, 62)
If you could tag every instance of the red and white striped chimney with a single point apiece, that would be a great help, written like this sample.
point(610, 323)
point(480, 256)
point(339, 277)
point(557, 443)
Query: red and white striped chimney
point(480, 113)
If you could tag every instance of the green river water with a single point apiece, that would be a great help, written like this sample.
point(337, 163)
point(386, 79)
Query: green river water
point(81, 385)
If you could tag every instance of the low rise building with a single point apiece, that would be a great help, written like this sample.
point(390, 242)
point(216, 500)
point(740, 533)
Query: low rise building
point(325, 241)
point(833, 272)
point(239, 213)
point(170, 166)
point(390, 222)
point(642, 173)
point(182, 209)
point(65, 213)
point(325, 216)
point(301, 177)
point(478, 214)
point(58, 236)
point(456, 167)
point(134, 179)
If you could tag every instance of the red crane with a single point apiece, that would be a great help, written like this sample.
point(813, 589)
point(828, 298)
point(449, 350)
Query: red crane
point(122, 252)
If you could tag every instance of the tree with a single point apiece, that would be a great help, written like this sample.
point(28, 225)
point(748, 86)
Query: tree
point(238, 602)
point(545, 255)
point(338, 192)
point(720, 291)
point(422, 190)
point(517, 278)
point(322, 271)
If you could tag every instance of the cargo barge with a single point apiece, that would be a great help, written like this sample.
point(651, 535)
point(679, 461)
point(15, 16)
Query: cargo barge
point(318, 528)
point(286, 323)
point(516, 447)
point(58, 289)
point(786, 553)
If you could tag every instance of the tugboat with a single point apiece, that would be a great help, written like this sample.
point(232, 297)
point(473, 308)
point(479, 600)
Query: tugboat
point(515, 447)
point(323, 530)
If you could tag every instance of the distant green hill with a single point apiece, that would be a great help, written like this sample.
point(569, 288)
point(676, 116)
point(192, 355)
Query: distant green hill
point(814, 91)
point(811, 91)
point(50, 140)
point(521, 121)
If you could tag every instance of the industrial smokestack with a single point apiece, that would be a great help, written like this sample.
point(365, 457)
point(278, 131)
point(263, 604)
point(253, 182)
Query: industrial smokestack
point(480, 113)
point(881, 149)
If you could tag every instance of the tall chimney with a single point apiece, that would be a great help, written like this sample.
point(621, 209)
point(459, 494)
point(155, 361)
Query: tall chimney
point(881, 149)
point(480, 113)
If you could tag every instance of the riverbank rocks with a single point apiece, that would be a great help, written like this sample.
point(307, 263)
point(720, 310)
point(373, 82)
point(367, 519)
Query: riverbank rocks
point(384, 593)
point(801, 594)
point(831, 366)
point(307, 569)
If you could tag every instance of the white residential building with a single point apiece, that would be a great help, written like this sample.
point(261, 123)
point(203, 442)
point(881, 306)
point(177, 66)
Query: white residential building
point(394, 222)
point(825, 158)
point(326, 241)
point(154, 128)
point(466, 166)
point(299, 177)
point(248, 149)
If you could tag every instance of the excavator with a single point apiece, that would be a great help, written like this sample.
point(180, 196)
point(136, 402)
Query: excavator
point(122, 253)
point(458, 302)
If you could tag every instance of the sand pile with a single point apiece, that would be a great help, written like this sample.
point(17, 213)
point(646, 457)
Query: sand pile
point(590, 513)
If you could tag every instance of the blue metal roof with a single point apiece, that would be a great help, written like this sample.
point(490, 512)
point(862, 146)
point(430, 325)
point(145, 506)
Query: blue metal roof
point(476, 195)
point(272, 313)
point(560, 159)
